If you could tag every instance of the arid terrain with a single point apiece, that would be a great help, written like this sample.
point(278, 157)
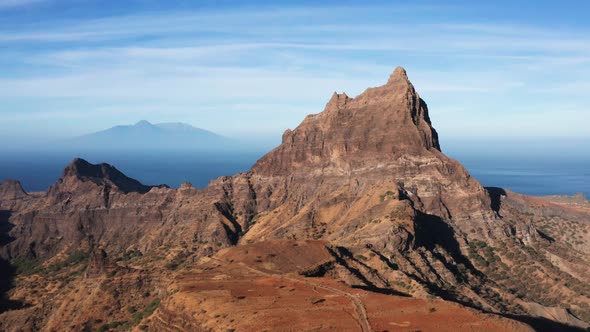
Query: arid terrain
point(356, 222)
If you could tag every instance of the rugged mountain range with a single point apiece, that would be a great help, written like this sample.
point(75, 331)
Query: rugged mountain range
point(147, 136)
point(357, 221)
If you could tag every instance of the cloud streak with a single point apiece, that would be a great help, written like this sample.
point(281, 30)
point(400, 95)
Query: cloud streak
point(8, 4)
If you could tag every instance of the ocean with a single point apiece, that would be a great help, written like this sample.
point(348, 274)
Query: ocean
point(533, 175)
point(38, 171)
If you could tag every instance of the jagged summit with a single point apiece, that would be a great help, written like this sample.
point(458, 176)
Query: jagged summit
point(379, 125)
point(337, 101)
point(81, 171)
point(399, 74)
point(12, 189)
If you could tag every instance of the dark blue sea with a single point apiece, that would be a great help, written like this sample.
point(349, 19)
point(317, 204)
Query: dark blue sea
point(37, 171)
point(533, 175)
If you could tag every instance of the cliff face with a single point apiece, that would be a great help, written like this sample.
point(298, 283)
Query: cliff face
point(363, 183)
point(97, 205)
point(350, 135)
point(379, 142)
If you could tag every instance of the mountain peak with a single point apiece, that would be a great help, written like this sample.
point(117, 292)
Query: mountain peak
point(143, 123)
point(81, 171)
point(11, 189)
point(399, 74)
point(81, 168)
point(337, 101)
point(370, 130)
point(145, 135)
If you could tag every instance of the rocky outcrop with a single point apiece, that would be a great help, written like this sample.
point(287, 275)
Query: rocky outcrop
point(98, 263)
point(11, 190)
point(380, 140)
point(380, 125)
point(80, 171)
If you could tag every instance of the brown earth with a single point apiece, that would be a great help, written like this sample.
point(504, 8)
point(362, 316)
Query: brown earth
point(259, 287)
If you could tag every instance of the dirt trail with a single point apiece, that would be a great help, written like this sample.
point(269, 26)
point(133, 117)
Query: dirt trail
point(363, 319)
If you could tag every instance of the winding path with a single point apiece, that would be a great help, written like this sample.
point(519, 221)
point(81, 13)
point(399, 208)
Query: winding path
point(363, 319)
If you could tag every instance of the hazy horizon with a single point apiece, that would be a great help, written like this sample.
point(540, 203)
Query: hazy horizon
point(252, 70)
point(482, 146)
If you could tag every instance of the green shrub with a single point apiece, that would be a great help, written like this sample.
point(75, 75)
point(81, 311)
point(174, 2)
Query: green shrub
point(148, 311)
point(388, 194)
point(25, 266)
point(75, 258)
point(361, 257)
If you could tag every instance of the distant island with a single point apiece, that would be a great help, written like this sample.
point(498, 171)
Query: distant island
point(149, 136)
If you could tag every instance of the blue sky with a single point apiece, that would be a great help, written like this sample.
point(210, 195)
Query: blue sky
point(500, 70)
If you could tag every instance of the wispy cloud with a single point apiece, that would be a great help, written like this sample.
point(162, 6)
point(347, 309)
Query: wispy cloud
point(4, 4)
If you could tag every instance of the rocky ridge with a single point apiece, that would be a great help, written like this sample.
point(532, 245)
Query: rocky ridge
point(11, 190)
